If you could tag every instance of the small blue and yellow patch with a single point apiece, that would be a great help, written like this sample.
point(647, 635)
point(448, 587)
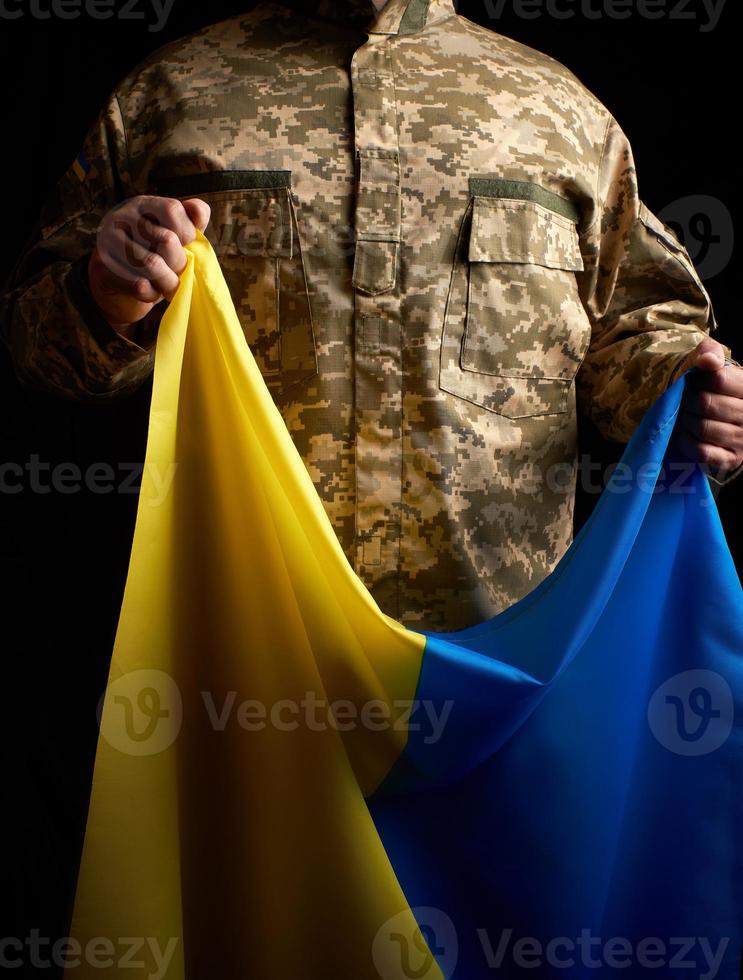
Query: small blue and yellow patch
point(81, 166)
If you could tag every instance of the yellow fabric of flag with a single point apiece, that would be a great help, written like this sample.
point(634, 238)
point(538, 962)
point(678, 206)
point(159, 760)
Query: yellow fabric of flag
point(228, 829)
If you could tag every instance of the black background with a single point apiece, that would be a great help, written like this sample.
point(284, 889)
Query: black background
point(672, 89)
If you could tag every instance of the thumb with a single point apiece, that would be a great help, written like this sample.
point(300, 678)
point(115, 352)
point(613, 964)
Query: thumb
point(198, 211)
point(708, 356)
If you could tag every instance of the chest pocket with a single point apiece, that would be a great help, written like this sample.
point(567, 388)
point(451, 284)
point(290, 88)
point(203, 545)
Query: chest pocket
point(253, 229)
point(515, 331)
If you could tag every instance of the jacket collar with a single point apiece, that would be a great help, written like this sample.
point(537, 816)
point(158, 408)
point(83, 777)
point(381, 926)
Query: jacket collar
point(410, 16)
point(396, 17)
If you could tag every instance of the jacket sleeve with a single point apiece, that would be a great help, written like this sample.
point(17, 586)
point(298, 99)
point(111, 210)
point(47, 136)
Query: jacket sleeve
point(57, 337)
point(646, 303)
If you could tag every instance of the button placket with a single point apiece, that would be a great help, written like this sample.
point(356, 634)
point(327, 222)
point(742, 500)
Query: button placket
point(378, 348)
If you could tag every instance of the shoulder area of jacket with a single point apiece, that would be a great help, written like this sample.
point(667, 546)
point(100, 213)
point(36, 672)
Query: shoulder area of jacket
point(184, 55)
point(534, 68)
point(536, 72)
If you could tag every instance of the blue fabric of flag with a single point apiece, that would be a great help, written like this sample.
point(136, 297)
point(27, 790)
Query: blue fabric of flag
point(580, 813)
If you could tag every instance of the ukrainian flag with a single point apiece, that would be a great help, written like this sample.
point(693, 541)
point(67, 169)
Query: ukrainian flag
point(289, 784)
point(81, 167)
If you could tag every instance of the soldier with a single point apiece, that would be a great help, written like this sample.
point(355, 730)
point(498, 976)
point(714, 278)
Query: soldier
point(435, 244)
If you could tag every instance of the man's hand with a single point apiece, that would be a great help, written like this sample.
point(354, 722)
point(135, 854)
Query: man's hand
point(710, 429)
point(139, 255)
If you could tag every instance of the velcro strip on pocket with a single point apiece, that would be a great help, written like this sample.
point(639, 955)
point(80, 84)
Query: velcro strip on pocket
point(191, 185)
point(523, 190)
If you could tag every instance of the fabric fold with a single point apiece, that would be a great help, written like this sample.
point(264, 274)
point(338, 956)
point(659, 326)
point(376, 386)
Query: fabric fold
point(288, 783)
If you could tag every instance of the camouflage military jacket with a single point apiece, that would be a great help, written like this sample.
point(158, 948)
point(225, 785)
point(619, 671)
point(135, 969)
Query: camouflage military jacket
point(435, 244)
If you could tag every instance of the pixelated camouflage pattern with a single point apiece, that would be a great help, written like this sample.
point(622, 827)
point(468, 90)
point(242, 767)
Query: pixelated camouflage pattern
point(528, 320)
point(522, 232)
point(427, 346)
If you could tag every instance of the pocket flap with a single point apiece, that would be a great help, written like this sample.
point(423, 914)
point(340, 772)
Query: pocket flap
point(374, 266)
point(522, 232)
point(251, 223)
point(251, 213)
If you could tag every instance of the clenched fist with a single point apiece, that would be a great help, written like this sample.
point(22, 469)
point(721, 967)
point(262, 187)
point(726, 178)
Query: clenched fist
point(711, 419)
point(139, 255)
